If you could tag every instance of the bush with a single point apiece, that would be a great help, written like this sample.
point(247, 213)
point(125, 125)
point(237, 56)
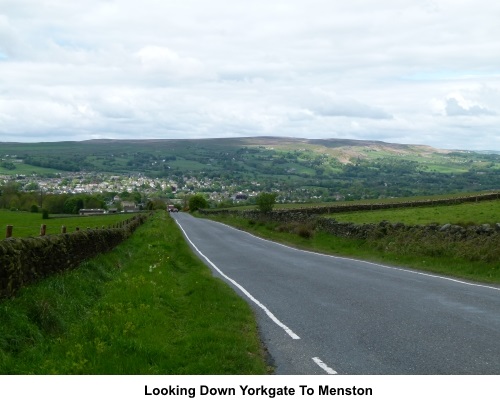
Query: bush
point(156, 204)
point(45, 214)
point(34, 208)
point(197, 202)
point(305, 231)
point(265, 202)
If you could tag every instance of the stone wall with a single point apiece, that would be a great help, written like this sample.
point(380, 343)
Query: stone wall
point(303, 213)
point(364, 231)
point(25, 260)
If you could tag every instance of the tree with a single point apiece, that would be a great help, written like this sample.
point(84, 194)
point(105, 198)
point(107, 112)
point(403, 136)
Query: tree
point(54, 203)
point(265, 202)
point(156, 204)
point(93, 202)
point(73, 205)
point(197, 202)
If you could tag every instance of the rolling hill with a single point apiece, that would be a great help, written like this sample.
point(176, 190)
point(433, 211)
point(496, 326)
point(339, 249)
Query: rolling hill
point(325, 169)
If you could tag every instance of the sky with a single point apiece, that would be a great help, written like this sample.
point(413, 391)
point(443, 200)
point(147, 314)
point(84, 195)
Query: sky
point(402, 71)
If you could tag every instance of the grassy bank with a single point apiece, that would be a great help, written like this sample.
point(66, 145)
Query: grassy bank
point(476, 260)
point(148, 307)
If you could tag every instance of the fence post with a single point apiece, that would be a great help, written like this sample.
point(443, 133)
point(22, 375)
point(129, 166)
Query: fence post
point(63, 229)
point(43, 230)
point(8, 234)
point(77, 229)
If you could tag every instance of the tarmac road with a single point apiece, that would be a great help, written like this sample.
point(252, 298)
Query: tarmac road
point(321, 314)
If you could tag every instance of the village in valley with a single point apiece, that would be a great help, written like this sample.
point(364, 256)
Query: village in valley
point(130, 175)
point(127, 193)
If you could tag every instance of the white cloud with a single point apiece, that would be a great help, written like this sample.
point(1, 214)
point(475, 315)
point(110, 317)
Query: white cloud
point(412, 70)
point(157, 59)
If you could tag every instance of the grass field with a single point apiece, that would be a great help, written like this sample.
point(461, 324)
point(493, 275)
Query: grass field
point(28, 224)
point(292, 206)
point(148, 307)
point(485, 212)
point(25, 169)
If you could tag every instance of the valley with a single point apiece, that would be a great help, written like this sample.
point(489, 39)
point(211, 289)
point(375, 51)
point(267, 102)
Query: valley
point(297, 170)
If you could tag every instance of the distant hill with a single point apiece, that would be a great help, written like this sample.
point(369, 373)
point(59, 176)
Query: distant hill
point(319, 168)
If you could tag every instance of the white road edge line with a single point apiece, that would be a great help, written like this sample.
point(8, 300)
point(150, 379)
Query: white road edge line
point(328, 370)
point(363, 261)
point(250, 296)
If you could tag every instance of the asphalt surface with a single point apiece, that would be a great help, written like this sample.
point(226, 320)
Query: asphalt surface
point(321, 314)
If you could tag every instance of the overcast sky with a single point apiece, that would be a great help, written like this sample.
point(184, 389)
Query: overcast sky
point(404, 71)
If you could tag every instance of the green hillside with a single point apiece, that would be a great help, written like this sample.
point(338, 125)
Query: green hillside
point(299, 169)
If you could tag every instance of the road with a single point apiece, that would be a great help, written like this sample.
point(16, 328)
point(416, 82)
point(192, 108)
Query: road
point(321, 314)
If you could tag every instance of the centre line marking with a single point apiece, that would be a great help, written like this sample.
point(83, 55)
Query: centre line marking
point(250, 296)
point(328, 370)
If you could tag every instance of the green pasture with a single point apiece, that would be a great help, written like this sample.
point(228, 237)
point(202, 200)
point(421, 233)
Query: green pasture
point(443, 169)
point(28, 170)
point(484, 212)
point(28, 224)
point(292, 206)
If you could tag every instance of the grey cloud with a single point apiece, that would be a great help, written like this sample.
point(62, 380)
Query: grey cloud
point(453, 108)
point(8, 38)
point(351, 109)
point(324, 104)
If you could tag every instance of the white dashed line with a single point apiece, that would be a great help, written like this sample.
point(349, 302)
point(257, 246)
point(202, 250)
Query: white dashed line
point(250, 296)
point(328, 370)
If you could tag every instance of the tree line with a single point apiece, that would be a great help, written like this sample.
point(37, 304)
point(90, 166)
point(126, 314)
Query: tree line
point(11, 197)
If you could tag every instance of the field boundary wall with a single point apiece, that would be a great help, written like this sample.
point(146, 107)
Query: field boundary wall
point(304, 213)
point(26, 260)
point(373, 231)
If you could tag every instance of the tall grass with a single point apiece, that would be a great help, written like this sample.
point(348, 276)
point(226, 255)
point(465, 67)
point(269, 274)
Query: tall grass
point(148, 307)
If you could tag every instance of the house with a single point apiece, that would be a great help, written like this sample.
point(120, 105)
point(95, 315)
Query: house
point(129, 206)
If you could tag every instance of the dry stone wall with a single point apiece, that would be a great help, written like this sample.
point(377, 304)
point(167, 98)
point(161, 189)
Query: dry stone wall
point(25, 260)
point(302, 213)
point(364, 231)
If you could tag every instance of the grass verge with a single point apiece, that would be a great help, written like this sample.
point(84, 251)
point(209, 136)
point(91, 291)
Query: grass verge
point(148, 307)
point(437, 256)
